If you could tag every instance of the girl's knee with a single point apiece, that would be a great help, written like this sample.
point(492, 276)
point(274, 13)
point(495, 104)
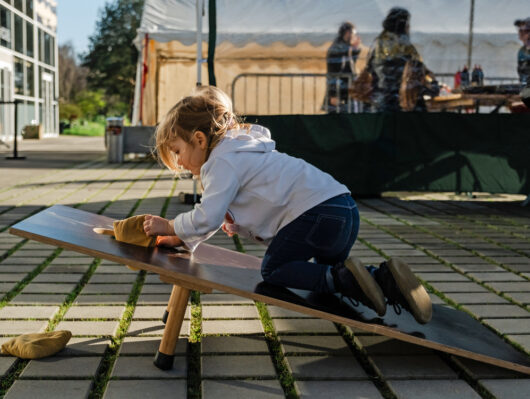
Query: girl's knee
point(265, 272)
point(267, 268)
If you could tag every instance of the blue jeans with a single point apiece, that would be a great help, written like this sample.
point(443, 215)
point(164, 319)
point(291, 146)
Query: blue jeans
point(326, 233)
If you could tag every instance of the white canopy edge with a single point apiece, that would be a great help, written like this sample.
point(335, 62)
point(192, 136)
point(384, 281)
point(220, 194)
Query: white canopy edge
point(316, 21)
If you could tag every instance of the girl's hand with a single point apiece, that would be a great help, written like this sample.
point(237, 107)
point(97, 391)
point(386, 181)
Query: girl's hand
point(157, 226)
point(169, 241)
point(230, 229)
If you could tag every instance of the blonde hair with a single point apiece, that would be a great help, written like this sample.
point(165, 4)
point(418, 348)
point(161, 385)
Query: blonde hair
point(207, 109)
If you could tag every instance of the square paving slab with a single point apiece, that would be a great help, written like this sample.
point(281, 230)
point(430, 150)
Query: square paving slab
point(57, 389)
point(433, 389)
point(143, 367)
point(142, 389)
point(337, 390)
point(61, 367)
point(237, 366)
point(255, 389)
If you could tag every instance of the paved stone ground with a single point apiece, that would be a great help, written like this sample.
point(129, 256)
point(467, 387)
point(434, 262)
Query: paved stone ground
point(473, 254)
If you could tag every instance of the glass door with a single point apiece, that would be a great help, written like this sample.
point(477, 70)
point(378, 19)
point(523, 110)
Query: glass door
point(47, 96)
point(6, 110)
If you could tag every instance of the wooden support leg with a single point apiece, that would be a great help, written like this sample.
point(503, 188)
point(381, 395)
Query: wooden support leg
point(176, 311)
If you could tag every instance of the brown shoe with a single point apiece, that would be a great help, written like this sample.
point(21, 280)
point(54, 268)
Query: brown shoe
point(402, 289)
point(352, 280)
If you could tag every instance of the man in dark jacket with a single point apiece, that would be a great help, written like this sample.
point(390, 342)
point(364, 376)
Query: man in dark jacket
point(341, 58)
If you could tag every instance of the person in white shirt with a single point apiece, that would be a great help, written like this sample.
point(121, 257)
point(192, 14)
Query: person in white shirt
point(297, 210)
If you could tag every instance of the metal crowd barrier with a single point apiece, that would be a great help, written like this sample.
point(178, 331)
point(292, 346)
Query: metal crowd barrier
point(246, 86)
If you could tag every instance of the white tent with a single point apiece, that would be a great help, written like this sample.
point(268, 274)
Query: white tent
point(292, 36)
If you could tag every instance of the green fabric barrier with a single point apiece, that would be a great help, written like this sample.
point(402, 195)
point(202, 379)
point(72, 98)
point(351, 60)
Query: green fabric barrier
point(372, 153)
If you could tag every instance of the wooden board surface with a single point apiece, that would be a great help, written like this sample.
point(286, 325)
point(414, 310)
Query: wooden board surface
point(450, 330)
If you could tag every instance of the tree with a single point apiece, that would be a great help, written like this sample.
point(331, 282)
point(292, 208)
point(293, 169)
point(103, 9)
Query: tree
point(112, 56)
point(91, 103)
point(72, 77)
point(69, 112)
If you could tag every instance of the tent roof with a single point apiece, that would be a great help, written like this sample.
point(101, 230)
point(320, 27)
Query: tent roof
point(316, 21)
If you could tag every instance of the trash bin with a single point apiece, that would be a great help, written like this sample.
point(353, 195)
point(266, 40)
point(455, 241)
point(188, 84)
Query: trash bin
point(114, 139)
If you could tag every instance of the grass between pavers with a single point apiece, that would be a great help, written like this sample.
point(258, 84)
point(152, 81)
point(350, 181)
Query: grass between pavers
point(470, 233)
point(12, 375)
point(71, 297)
point(27, 279)
point(58, 172)
point(111, 353)
point(463, 373)
point(38, 209)
point(366, 363)
point(13, 249)
point(278, 358)
point(494, 217)
point(194, 380)
point(488, 225)
point(56, 187)
point(449, 264)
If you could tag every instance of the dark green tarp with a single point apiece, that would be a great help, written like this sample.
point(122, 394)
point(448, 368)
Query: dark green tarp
point(372, 153)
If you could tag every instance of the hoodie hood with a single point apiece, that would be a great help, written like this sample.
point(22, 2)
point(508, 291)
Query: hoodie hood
point(255, 139)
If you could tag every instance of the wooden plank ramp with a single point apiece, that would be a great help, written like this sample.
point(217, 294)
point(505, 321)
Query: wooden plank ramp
point(213, 268)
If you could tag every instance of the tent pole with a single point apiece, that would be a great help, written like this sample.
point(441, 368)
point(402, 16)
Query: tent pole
point(212, 36)
point(144, 77)
point(200, 7)
point(470, 39)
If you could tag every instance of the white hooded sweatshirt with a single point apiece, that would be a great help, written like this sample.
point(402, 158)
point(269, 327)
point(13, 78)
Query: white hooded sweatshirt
point(258, 189)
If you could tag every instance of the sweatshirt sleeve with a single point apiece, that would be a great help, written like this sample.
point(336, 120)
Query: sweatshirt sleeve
point(221, 185)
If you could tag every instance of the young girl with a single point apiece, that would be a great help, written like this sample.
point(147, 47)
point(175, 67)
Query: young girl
point(284, 202)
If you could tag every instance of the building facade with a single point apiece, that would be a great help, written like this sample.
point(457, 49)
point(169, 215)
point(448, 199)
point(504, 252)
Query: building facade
point(28, 66)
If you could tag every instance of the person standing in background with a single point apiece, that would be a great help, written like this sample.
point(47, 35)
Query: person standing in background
point(523, 56)
point(390, 53)
point(340, 58)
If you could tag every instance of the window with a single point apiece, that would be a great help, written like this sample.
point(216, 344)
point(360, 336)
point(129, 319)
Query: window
point(19, 34)
point(19, 4)
point(29, 39)
point(47, 48)
point(52, 51)
point(29, 8)
point(40, 41)
point(30, 79)
point(19, 76)
point(5, 27)
point(46, 76)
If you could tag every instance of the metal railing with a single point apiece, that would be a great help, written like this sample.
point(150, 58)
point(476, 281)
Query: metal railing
point(307, 93)
point(289, 93)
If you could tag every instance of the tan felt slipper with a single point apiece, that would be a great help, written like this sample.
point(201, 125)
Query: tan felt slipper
point(37, 345)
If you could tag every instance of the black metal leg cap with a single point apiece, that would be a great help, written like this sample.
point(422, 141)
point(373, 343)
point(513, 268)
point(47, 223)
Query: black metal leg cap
point(163, 361)
point(164, 318)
